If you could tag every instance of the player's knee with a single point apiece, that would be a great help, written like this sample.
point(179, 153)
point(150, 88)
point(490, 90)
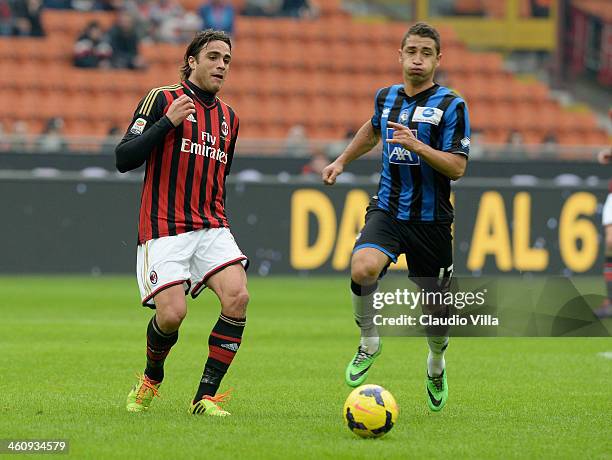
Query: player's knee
point(171, 317)
point(608, 242)
point(364, 272)
point(234, 302)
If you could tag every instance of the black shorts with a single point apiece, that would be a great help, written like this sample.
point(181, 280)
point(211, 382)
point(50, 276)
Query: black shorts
point(427, 246)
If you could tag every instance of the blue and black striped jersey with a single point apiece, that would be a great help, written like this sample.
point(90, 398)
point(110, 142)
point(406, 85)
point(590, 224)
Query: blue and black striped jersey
point(409, 188)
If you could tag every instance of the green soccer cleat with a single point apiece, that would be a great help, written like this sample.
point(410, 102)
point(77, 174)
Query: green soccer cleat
point(141, 396)
point(437, 391)
point(208, 405)
point(357, 369)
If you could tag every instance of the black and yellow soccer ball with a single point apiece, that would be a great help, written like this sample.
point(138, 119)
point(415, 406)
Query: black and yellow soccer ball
point(370, 411)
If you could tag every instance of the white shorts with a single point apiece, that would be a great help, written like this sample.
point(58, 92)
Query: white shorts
point(606, 215)
point(188, 259)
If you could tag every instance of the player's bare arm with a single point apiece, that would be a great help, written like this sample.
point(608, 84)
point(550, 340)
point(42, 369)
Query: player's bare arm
point(364, 141)
point(452, 166)
point(180, 109)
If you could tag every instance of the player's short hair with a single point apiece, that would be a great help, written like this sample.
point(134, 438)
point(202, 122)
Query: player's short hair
point(423, 29)
point(200, 41)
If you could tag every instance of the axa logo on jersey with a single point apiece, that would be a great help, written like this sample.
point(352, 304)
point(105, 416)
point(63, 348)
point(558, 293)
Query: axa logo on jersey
point(398, 155)
point(206, 147)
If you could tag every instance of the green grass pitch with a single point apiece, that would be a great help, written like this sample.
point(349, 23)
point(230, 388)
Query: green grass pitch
point(70, 347)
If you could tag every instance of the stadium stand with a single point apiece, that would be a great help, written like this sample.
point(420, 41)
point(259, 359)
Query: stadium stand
point(599, 8)
point(321, 73)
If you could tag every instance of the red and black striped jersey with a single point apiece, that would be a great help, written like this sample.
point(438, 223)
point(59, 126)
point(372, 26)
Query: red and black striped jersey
point(184, 184)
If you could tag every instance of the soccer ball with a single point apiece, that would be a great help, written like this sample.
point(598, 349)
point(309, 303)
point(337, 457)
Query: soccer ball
point(370, 411)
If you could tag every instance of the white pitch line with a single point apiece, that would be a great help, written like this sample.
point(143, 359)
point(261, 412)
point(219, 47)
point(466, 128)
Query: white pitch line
point(605, 354)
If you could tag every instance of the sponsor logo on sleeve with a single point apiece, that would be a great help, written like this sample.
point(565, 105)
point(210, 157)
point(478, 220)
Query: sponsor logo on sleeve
point(138, 126)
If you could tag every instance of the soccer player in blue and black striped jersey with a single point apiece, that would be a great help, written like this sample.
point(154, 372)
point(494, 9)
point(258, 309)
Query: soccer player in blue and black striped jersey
point(425, 135)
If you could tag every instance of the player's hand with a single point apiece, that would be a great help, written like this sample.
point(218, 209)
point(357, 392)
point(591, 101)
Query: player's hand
point(180, 109)
point(605, 156)
point(403, 135)
point(330, 172)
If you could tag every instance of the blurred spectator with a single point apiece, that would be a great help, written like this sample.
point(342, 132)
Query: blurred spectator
point(469, 8)
point(442, 8)
point(52, 139)
point(141, 12)
point(550, 138)
point(20, 136)
point(85, 5)
point(442, 78)
point(350, 132)
point(190, 24)
point(267, 8)
point(515, 139)
point(27, 17)
point(172, 23)
point(4, 139)
point(113, 137)
point(6, 19)
point(315, 166)
point(476, 141)
point(550, 143)
point(111, 5)
point(124, 43)
point(296, 142)
point(298, 9)
point(91, 49)
point(515, 146)
point(218, 15)
point(163, 20)
point(335, 148)
point(540, 8)
point(58, 4)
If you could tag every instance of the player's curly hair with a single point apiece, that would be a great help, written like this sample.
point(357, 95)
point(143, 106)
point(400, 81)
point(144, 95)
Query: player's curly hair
point(423, 29)
point(200, 41)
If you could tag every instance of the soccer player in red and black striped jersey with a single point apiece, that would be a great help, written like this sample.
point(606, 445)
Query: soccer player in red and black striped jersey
point(186, 136)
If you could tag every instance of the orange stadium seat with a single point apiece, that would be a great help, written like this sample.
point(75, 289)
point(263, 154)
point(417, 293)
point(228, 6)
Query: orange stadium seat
point(458, 61)
point(321, 73)
point(565, 121)
point(495, 8)
point(600, 8)
point(192, 5)
point(337, 26)
point(57, 49)
point(329, 7)
point(319, 58)
point(286, 30)
point(571, 138)
point(495, 136)
point(7, 95)
point(490, 63)
point(253, 28)
point(469, 7)
point(598, 137)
